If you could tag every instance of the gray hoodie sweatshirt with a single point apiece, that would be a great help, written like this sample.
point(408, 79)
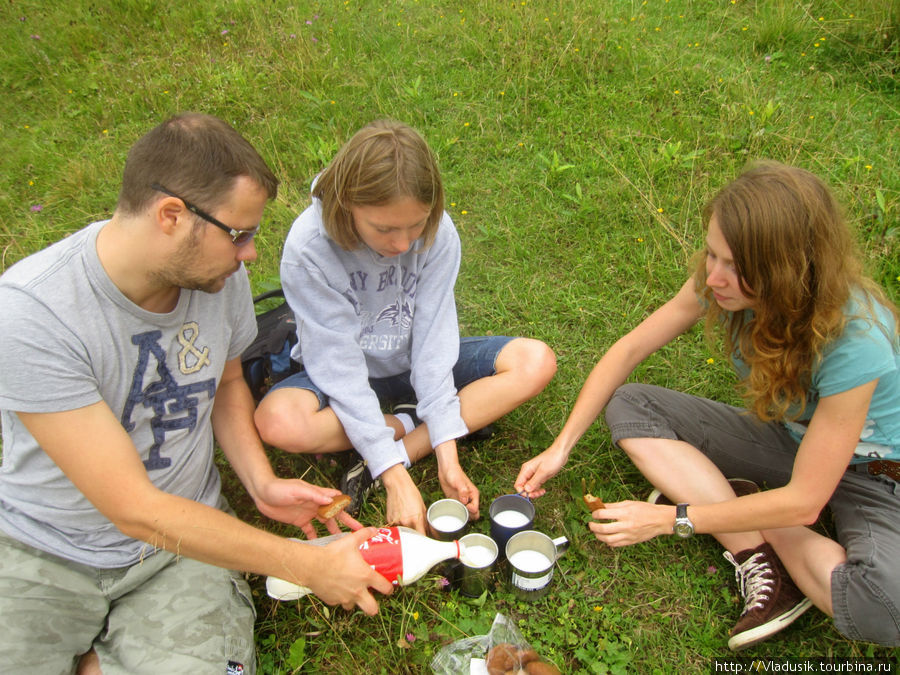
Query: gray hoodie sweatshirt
point(362, 315)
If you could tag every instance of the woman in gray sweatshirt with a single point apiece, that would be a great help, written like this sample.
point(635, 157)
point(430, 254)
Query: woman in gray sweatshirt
point(369, 270)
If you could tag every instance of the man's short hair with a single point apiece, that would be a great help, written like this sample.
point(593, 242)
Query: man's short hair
point(194, 155)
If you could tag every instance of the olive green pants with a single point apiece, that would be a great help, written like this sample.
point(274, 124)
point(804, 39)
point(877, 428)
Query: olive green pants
point(165, 614)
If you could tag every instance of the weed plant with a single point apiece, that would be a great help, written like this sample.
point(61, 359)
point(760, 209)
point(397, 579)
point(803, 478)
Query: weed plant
point(578, 143)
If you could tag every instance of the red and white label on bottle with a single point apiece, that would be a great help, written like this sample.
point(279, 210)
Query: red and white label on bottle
point(384, 553)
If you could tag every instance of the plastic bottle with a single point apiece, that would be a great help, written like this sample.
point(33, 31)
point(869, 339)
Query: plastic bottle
point(399, 554)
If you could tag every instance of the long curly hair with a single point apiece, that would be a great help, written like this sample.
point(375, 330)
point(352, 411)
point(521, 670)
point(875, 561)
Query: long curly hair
point(797, 261)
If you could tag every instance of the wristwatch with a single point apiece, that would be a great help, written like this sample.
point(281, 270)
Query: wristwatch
point(683, 527)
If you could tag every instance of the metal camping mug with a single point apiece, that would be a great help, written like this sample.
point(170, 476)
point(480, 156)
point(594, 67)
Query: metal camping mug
point(476, 565)
point(532, 556)
point(510, 514)
point(448, 519)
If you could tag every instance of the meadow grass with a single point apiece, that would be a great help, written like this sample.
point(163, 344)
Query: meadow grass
point(578, 143)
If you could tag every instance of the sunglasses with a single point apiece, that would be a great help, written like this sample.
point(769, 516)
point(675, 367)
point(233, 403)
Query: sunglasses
point(238, 237)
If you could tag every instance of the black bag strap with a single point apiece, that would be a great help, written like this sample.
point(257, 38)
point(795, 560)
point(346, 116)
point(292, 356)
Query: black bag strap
point(275, 326)
point(274, 293)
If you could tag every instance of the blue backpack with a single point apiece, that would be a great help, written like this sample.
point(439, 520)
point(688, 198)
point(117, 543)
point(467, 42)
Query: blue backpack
point(268, 359)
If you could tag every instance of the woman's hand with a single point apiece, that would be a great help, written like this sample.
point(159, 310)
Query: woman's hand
point(626, 523)
point(456, 485)
point(404, 501)
point(539, 469)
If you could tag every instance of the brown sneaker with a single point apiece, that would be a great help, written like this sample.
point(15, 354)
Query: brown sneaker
point(772, 600)
point(741, 487)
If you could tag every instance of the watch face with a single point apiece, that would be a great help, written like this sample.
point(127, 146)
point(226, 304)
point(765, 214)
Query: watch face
point(683, 530)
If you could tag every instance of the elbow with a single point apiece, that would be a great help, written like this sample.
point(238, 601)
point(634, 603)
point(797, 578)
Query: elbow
point(809, 520)
point(149, 531)
point(132, 528)
point(138, 523)
point(798, 506)
point(801, 505)
point(806, 509)
point(138, 518)
point(810, 517)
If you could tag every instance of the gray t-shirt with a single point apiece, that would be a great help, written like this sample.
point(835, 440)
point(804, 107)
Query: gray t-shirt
point(70, 338)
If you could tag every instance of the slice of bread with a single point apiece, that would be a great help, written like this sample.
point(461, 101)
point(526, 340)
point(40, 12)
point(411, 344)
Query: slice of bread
point(337, 505)
point(593, 503)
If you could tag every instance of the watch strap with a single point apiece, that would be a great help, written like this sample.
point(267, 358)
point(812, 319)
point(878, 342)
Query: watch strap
point(683, 526)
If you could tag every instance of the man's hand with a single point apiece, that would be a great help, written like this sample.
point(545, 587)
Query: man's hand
point(539, 469)
point(404, 502)
point(344, 578)
point(295, 502)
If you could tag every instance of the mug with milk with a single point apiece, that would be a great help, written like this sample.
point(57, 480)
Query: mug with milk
point(476, 568)
point(448, 519)
point(510, 514)
point(531, 556)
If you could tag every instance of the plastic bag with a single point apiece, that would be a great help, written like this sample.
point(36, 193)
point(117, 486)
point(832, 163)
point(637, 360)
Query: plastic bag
point(467, 656)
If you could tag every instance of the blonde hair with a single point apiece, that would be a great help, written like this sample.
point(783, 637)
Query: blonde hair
point(382, 162)
point(796, 259)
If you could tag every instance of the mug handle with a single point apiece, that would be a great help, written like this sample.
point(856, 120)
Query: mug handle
point(562, 545)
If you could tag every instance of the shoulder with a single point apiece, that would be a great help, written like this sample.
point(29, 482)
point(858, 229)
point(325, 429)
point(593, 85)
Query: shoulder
point(447, 226)
point(689, 302)
point(45, 283)
point(307, 233)
point(868, 320)
point(446, 235)
point(34, 270)
point(308, 223)
point(866, 349)
point(309, 253)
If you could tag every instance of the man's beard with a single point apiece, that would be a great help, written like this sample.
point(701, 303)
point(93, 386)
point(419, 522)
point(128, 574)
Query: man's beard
point(179, 271)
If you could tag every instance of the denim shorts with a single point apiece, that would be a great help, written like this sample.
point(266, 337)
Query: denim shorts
point(865, 590)
point(477, 359)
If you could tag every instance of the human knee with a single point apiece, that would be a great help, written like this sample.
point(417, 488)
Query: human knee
point(637, 449)
point(626, 414)
point(89, 664)
point(279, 423)
point(626, 403)
point(536, 364)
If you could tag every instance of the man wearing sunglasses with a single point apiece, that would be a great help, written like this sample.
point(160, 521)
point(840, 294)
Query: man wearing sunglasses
point(119, 366)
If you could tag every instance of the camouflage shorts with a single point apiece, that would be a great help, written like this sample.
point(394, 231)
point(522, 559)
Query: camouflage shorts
point(165, 614)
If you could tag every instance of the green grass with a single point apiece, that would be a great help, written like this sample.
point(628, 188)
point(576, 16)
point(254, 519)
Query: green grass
point(578, 142)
